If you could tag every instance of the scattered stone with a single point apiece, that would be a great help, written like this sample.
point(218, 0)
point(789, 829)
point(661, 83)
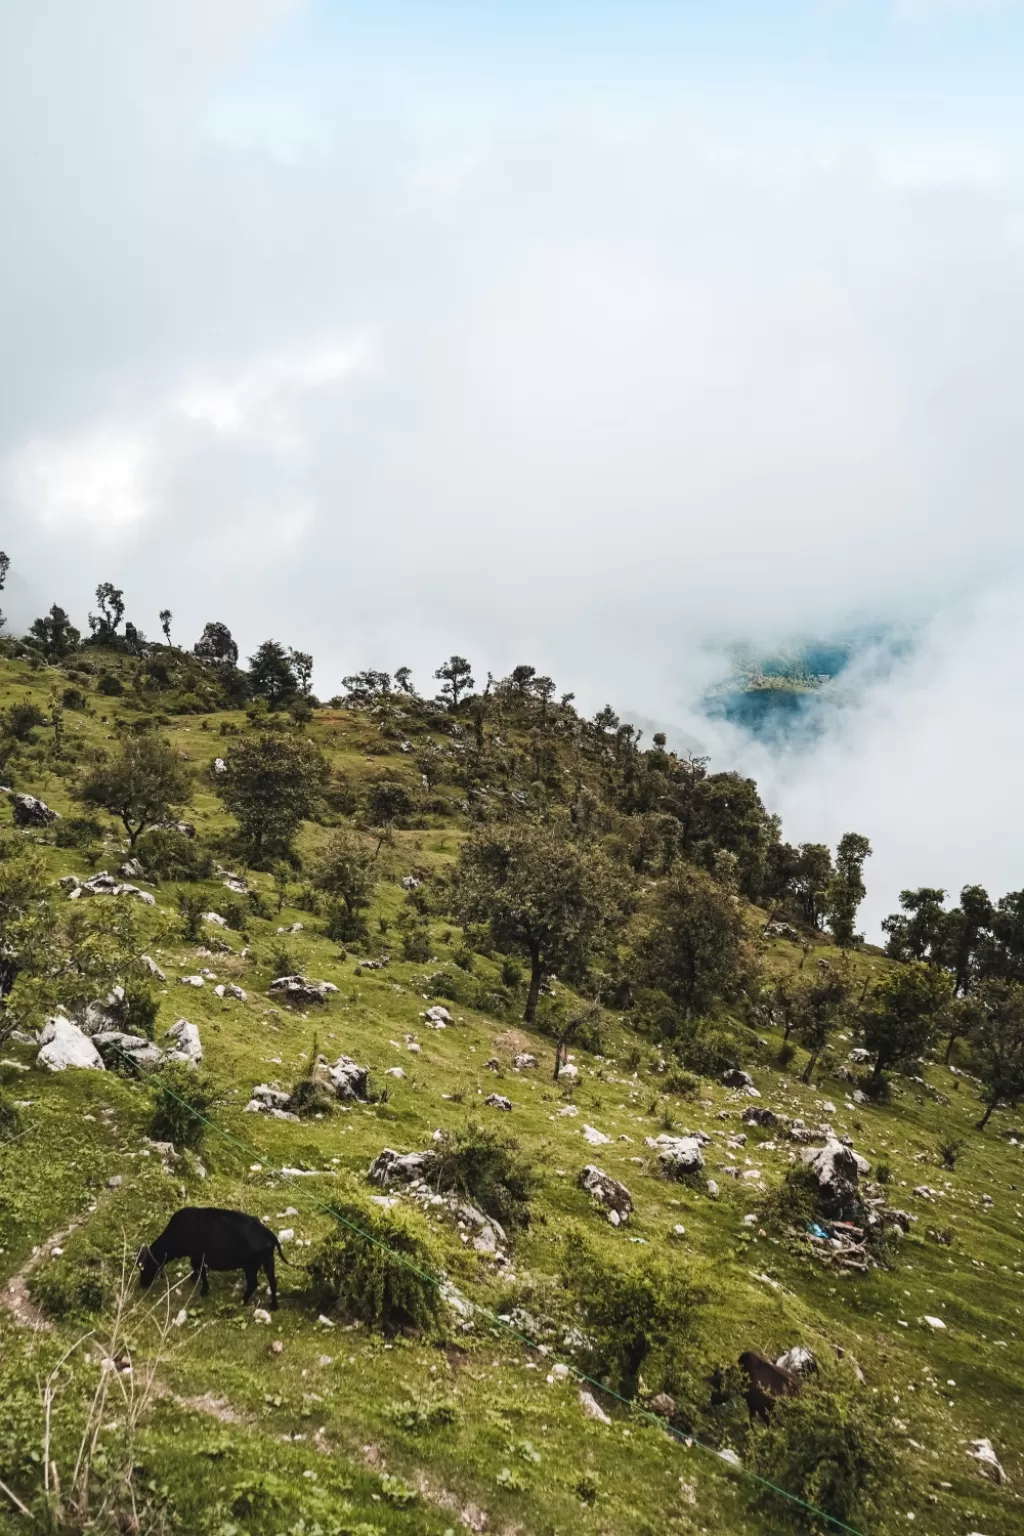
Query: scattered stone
point(498, 1101)
point(120, 1049)
point(390, 1167)
point(409, 882)
point(103, 884)
point(219, 766)
point(132, 869)
point(524, 1062)
point(837, 1169)
point(608, 1192)
point(260, 1315)
point(664, 1404)
point(568, 1111)
point(349, 1079)
point(395, 1072)
point(678, 1155)
point(493, 1065)
point(591, 1408)
point(799, 1360)
point(216, 919)
point(735, 1078)
point(713, 1188)
point(31, 812)
point(729, 1455)
point(297, 990)
point(292, 928)
point(988, 1462)
point(188, 1046)
point(229, 989)
point(935, 1322)
point(152, 967)
point(756, 1114)
point(269, 1101)
point(595, 1137)
point(115, 1181)
point(277, 1348)
point(64, 1045)
point(859, 1056)
point(191, 981)
point(437, 1017)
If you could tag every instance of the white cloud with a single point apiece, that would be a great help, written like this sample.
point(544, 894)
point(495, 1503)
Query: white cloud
point(89, 484)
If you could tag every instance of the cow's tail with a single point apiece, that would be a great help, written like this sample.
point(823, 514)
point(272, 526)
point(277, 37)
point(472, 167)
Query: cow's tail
point(281, 1252)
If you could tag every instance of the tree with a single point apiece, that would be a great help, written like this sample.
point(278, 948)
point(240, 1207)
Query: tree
point(455, 674)
point(521, 678)
point(270, 785)
point(165, 623)
point(919, 931)
point(386, 801)
point(110, 601)
point(996, 1035)
point(345, 872)
point(902, 1014)
point(403, 680)
point(55, 634)
point(302, 666)
point(541, 892)
point(820, 1004)
point(1001, 948)
point(5, 565)
point(847, 890)
point(966, 928)
point(690, 944)
point(606, 719)
point(216, 644)
point(812, 878)
point(271, 674)
point(365, 687)
point(727, 812)
point(143, 783)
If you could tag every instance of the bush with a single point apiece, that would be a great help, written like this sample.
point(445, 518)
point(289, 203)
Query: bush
point(793, 1202)
point(235, 912)
point(10, 1115)
point(883, 1173)
point(345, 927)
point(511, 974)
point(416, 944)
point(832, 1445)
point(71, 1287)
point(73, 698)
point(191, 905)
point(181, 1095)
point(110, 685)
point(167, 854)
point(951, 1149)
point(137, 1011)
point(488, 1169)
point(639, 1314)
point(710, 1049)
point(387, 1281)
point(312, 1096)
point(77, 832)
point(683, 1083)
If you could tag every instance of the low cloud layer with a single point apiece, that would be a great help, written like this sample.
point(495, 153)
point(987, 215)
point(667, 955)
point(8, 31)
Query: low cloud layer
point(387, 365)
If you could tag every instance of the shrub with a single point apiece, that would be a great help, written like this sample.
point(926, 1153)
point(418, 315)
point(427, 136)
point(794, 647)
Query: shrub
point(683, 1083)
point(639, 1314)
point(77, 832)
point(384, 1279)
point(191, 906)
point(312, 1096)
point(10, 1115)
point(137, 1011)
point(488, 1169)
point(181, 1095)
point(73, 698)
point(110, 685)
point(71, 1287)
point(345, 926)
point(511, 974)
point(883, 1173)
point(709, 1049)
point(951, 1149)
point(235, 913)
point(418, 1416)
point(167, 854)
point(832, 1445)
point(416, 944)
point(793, 1202)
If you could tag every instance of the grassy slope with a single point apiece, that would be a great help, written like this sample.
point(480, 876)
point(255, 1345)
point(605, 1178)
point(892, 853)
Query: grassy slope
point(82, 1128)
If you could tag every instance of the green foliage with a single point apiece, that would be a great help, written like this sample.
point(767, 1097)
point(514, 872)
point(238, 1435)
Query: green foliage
point(419, 1416)
point(56, 635)
point(385, 1279)
point(793, 1201)
point(489, 1169)
point(10, 1114)
point(270, 786)
point(846, 888)
point(903, 1014)
point(689, 942)
point(709, 1049)
point(542, 892)
point(144, 782)
point(345, 872)
point(110, 685)
point(639, 1313)
point(64, 956)
point(832, 1445)
point(75, 1286)
point(683, 1083)
point(272, 675)
point(167, 854)
point(950, 1150)
point(77, 832)
point(181, 1096)
point(996, 1033)
point(191, 905)
point(138, 1009)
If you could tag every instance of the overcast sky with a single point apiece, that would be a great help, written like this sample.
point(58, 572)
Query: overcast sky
point(600, 334)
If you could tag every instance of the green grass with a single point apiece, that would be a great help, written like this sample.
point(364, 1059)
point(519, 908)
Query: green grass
point(312, 1442)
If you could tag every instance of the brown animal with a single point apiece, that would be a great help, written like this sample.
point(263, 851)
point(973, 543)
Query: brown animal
point(765, 1382)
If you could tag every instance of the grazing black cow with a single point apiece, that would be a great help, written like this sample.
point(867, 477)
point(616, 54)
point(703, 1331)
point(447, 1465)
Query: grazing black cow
point(213, 1239)
point(766, 1382)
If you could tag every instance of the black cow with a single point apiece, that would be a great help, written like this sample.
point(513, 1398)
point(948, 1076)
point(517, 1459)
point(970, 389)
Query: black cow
point(213, 1239)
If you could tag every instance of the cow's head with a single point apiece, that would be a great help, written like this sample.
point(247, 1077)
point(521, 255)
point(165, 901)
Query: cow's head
point(149, 1267)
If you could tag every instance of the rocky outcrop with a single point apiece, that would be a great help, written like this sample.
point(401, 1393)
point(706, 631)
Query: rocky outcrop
point(103, 884)
point(837, 1169)
point(300, 992)
point(679, 1155)
point(390, 1167)
point(29, 811)
point(615, 1197)
point(187, 1044)
point(269, 1101)
point(120, 1051)
point(64, 1045)
point(498, 1101)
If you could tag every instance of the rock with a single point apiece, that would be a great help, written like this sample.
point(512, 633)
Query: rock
point(31, 812)
point(152, 967)
point(349, 1079)
point(216, 919)
point(595, 1137)
point(219, 766)
point(437, 1017)
point(120, 1049)
point(498, 1101)
point(260, 1315)
point(409, 882)
point(925, 1192)
point(277, 1348)
point(592, 1409)
point(859, 1056)
point(294, 928)
point(188, 1046)
point(757, 1114)
point(524, 1061)
point(663, 1404)
point(493, 1065)
point(394, 1072)
point(678, 1155)
point(132, 869)
point(191, 981)
point(103, 884)
point(607, 1191)
point(988, 1462)
point(568, 1070)
point(935, 1322)
point(228, 989)
point(297, 990)
point(729, 1455)
point(286, 1235)
point(390, 1167)
point(735, 1078)
point(837, 1169)
point(799, 1360)
point(64, 1045)
point(115, 1181)
point(713, 1188)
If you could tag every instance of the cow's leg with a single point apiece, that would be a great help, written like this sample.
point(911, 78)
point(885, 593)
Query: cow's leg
point(268, 1265)
point(252, 1276)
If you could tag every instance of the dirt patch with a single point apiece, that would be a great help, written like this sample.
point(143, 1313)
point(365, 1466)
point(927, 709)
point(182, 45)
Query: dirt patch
point(14, 1297)
point(513, 1042)
point(213, 1407)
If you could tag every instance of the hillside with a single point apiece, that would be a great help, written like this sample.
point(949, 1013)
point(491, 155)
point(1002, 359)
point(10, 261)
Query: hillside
point(304, 1420)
